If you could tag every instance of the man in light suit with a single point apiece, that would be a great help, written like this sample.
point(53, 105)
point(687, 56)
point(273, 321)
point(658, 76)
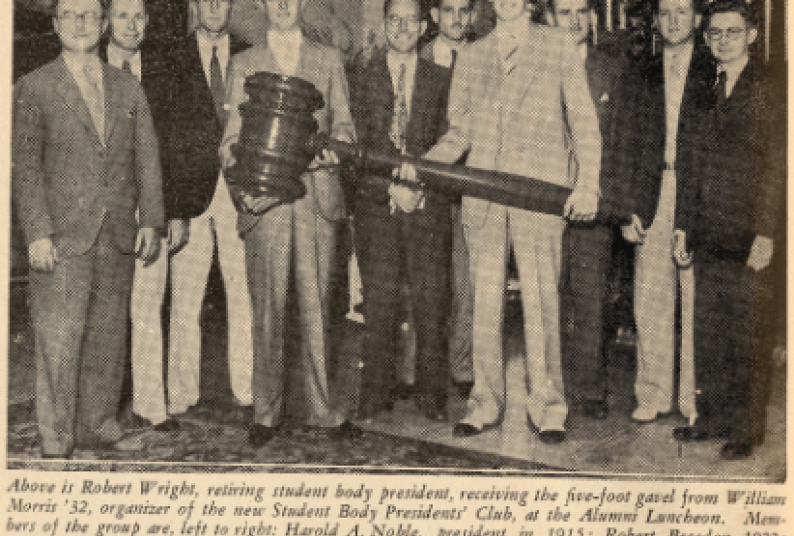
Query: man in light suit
point(665, 119)
point(508, 94)
point(297, 237)
point(587, 247)
point(200, 196)
point(127, 50)
point(85, 158)
point(454, 19)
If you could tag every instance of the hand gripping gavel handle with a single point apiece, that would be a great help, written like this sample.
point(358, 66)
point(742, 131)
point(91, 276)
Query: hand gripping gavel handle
point(503, 188)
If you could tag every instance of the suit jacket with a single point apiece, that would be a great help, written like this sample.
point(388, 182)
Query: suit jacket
point(67, 183)
point(605, 76)
point(543, 100)
point(646, 135)
point(322, 66)
point(427, 51)
point(157, 80)
point(194, 133)
point(740, 167)
point(373, 110)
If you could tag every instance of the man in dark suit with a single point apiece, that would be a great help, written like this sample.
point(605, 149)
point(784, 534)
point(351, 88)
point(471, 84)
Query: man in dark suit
point(127, 50)
point(400, 103)
point(728, 221)
point(299, 237)
point(454, 19)
point(85, 158)
point(199, 195)
point(587, 247)
point(664, 119)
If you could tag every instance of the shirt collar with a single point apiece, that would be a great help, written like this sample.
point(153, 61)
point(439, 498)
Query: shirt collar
point(76, 63)
point(514, 29)
point(205, 42)
point(678, 55)
point(734, 69)
point(116, 57)
point(292, 37)
point(394, 60)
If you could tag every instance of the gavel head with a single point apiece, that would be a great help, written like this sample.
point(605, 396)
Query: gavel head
point(276, 137)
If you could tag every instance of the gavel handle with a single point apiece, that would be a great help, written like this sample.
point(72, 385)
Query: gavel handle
point(504, 188)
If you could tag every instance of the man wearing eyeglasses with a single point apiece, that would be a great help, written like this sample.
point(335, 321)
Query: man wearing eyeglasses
point(85, 159)
point(664, 120)
point(400, 103)
point(127, 49)
point(726, 227)
point(200, 197)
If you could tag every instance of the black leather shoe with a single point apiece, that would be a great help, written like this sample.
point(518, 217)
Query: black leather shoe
point(463, 429)
point(552, 437)
point(686, 434)
point(64, 456)
point(434, 407)
point(346, 430)
point(464, 389)
point(595, 409)
point(259, 434)
point(136, 423)
point(739, 448)
point(167, 426)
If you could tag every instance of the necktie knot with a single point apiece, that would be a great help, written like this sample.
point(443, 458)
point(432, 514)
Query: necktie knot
point(125, 66)
point(454, 58)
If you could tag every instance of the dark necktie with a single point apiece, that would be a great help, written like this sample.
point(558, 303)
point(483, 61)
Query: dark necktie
point(216, 85)
point(125, 66)
point(721, 88)
point(454, 59)
point(400, 111)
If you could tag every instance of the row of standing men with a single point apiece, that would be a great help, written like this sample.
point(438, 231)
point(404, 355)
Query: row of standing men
point(516, 100)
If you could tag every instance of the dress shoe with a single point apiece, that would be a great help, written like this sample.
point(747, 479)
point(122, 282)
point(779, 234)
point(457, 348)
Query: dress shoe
point(433, 406)
point(259, 434)
point(167, 426)
point(645, 415)
point(738, 449)
point(463, 429)
point(242, 414)
point(346, 430)
point(464, 389)
point(193, 413)
point(551, 437)
point(136, 423)
point(686, 434)
point(64, 456)
point(595, 409)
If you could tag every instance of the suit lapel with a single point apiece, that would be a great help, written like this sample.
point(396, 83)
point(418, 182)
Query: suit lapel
point(521, 80)
point(419, 98)
point(113, 98)
point(67, 87)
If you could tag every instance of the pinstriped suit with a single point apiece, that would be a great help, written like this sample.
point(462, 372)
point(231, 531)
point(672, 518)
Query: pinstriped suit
point(298, 236)
point(516, 123)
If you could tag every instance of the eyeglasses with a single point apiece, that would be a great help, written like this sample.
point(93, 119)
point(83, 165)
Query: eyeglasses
point(394, 20)
point(716, 34)
point(89, 17)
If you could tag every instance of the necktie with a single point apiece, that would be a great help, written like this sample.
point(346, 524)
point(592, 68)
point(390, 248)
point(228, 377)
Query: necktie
point(508, 62)
point(454, 54)
point(216, 85)
point(721, 88)
point(125, 66)
point(400, 112)
point(95, 99)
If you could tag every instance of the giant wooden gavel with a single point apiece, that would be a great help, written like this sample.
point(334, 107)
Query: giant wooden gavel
point(279, 138)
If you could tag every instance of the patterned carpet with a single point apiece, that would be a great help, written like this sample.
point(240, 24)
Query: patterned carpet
point(216, 438)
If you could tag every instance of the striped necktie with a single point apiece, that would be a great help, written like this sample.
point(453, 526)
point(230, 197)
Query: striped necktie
point(95, 98)
point(400, 119)
point(217, 88)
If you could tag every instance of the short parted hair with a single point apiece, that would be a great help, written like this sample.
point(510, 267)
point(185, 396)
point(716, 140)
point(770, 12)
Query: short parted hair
point(103, 4)
point(419, 3)
point(697, 5)
point(552, 4)
point(437, 3)
point(730, 6)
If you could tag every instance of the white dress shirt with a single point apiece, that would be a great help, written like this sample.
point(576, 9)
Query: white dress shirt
point(442, 51)
point(116, 58)
point(676, 67)
point(394, 62)
point(286, 49)
point(205, 44)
